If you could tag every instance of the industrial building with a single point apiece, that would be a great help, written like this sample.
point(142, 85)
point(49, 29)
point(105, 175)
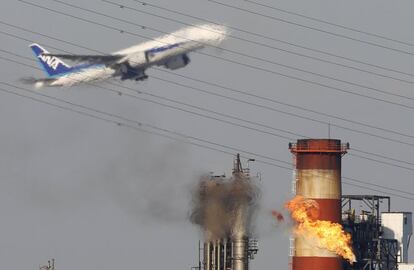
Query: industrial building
point(235, 247)
point(317, 176)
point(380, 237)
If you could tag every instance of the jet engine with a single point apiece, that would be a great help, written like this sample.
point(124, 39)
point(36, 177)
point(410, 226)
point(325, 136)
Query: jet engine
point(129, 73)
point(177, 62)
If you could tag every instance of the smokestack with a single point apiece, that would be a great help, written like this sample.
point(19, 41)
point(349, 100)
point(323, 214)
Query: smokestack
point(318, 177)
point(223, 207)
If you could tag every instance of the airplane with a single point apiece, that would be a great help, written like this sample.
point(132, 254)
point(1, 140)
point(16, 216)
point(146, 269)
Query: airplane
point(170, 51)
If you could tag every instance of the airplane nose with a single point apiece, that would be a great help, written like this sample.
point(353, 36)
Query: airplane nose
point(214, 34)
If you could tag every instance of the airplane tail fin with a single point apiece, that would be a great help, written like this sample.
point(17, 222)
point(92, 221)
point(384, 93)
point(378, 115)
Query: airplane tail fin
point(52, 65)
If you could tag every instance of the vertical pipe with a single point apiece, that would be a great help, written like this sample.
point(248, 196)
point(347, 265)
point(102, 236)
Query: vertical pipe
point(224, 254)
point(213, 256)
point(318, 168)
point(239, 254)
point(207, 260)
point(389, 205)
point(232, 252)
point(199, 255)
point(239, 238)
point(218, 255)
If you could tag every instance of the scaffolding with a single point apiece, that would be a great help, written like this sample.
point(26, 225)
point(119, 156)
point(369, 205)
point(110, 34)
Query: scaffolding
point(364, 224)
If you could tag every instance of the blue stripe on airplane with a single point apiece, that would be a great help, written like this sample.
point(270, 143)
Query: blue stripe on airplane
point(79, 68)
point(164, 48)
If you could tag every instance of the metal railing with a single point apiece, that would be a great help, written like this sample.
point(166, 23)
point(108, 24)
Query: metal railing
point(314, 147)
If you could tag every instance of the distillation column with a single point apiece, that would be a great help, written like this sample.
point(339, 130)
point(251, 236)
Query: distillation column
point(318, 177)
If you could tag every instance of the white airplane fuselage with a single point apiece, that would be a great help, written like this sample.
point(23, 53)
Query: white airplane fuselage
point(169, 51)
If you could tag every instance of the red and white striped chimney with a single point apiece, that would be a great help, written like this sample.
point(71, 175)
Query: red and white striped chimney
point(318, 177)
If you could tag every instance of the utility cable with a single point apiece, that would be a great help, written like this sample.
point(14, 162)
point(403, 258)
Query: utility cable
point(278, 102)
point(123, 119)
point(234, 90)
point(330, 23)
point(312, 28)
point(233, 61)
point(183, 138)
point(240, 53)
point(229, 35)
point(274, 39)
point(382, 156)
point(209, 111)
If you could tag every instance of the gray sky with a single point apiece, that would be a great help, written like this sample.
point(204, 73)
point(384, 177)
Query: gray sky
point(97, 196)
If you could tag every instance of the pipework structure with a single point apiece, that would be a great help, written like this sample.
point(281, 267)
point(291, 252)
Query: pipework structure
point(229, 254)
point(373, 228)
point(317, 176)
point(235, 247)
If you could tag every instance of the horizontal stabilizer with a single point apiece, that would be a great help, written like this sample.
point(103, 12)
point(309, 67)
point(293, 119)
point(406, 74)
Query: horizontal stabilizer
point(37, 83)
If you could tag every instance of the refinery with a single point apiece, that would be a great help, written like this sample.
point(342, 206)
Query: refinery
point(331, 230)
point(206, 135)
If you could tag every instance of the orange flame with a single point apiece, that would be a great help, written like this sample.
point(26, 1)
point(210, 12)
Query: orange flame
point(329, 235)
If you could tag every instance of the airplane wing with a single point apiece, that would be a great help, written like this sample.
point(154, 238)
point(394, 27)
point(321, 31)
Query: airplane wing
point(96, 59)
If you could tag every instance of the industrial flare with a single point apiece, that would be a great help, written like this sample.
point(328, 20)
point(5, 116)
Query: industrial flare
point(328, 235)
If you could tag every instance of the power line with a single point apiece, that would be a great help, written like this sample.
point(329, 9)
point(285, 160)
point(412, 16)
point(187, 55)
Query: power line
point(247, 93)
point(312, 28)
point(275, 39)
point(250, 122)
point(231, 117)
point(187, 105)
point(219, 120)
point(376, 190)
point(118, 123)
point(239, 119)
point(376, 185)
point(183, 138)
point(280, 111)
point(331, 23)
point(47, 36)
point(240, 53)
point(232, 61)
point(382, 156)
point(382, 162)
point(122, 119)
point(253, 42)
point(214, 118)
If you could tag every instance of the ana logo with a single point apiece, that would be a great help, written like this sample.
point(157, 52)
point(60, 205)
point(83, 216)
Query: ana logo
point(51, 61)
